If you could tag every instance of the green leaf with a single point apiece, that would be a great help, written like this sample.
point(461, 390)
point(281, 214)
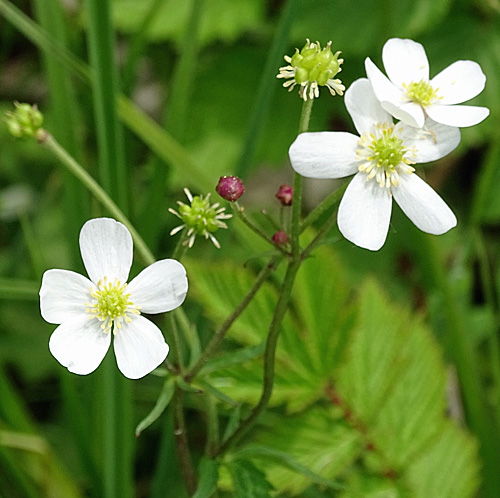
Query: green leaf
point(287, 460)
point(161, 403)
point(206, 386)
point(248, 480)
point(319, 439)
point(208, 477)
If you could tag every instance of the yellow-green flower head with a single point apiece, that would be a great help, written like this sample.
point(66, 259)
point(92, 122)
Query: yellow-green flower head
point(200, 217)
point(25, 121)
point(311, 68)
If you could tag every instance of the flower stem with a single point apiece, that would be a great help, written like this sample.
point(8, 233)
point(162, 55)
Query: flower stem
point(181, 443)
point(297, 184)
point(97, 191)
point(324, 206)
point(240, 212)
point(222, 330)
point(269, 357)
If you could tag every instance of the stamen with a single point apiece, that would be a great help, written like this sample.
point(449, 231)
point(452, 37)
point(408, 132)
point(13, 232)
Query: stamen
point(383, 156)
point(111, 305)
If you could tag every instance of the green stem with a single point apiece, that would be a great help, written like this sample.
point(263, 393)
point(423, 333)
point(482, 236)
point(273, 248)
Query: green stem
point(222, 330)
point(269, 357)
point(97, 191)
point(243, 217)
point(181, 443)
point(297, 184)
point(177, 341)
point(325, 205)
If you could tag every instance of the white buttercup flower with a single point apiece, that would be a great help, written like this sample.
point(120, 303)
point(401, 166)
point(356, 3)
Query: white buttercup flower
point(408, 93)
point(382, 158)
point(88, 310)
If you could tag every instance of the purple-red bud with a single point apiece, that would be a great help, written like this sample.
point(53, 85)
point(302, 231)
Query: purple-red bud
point(280, 238)
point(230, 188)
point(285, 194)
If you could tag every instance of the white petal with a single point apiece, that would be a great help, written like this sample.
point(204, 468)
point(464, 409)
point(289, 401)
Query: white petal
point(432, 142)
point(405, 61)
point(364, 107)
point(79, 344)
point(457, 115)
point(160, 287)
point(410, 113)
point(324, 154)
point(106, 247)
point(423, 205)
point(364, 213)
point(459, 82)
point(384, 89)
point(139, 347)
point(63, 295)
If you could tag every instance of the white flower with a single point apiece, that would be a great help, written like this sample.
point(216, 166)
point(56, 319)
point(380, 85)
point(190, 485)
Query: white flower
point(381, 158)
point(408, 94)
point(87, 310)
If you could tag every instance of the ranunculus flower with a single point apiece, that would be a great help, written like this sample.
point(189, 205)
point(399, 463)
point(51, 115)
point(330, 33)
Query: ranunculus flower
point(381, 159)
point(88, 310)
point(409, 95)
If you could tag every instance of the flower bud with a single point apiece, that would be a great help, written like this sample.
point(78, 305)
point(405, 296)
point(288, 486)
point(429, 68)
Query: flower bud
point(25, 121)
point(311, 68)
point(285, 194)
point(230, 188)
point(280, 238)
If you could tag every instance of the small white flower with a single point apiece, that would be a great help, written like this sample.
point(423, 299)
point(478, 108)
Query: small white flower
point(87, 310)
point(381, 158)
point(408, 94)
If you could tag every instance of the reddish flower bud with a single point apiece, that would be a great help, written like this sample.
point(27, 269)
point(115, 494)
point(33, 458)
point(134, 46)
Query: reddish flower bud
point(285, 194)
point(230, 188)
point(280, 238)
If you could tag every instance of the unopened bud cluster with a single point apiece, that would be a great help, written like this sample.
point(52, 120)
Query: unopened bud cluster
point(311, 68)
point(25, 121)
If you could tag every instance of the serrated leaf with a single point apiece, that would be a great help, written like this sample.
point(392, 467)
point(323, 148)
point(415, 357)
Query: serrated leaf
point(313, 333)
point(248, 480)
point(319, 439)
point(161, 403)
point(208, 477)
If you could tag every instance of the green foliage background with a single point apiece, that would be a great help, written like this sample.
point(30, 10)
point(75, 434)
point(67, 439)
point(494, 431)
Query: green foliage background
point(368, 358)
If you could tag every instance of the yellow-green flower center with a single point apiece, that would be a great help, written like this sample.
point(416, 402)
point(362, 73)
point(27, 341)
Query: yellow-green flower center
point(388, 150)
point(383, 155)
point(111, 304)
point(421, 92)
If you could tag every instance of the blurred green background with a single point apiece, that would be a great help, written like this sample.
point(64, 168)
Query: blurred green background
point(205, 71)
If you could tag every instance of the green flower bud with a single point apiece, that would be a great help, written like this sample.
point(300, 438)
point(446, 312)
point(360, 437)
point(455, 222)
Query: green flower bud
point(25, 121)
point(200, 217)
point(311, 68)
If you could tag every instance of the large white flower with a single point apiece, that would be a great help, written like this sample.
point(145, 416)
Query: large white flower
point(381, 158)
point(87, 310)
point(408, 94)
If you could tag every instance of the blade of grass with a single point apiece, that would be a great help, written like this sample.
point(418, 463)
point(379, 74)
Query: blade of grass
point(465, 359)
point(116, 398)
